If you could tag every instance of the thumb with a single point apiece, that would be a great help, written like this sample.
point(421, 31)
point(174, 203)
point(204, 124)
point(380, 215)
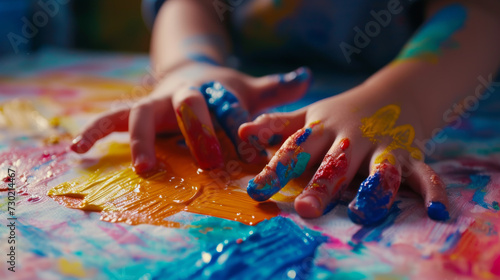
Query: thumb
point(277, 89)
point(272, 129)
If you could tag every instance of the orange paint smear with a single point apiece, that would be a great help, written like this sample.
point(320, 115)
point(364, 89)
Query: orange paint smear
point(179, 185)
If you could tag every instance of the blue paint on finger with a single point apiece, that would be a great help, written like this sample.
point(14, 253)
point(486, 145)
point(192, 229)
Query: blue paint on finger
point(371, 203)
point(227, 110)
point(437, 211)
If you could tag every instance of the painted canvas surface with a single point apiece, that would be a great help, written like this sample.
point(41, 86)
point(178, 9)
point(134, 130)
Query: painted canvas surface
point(90, 217)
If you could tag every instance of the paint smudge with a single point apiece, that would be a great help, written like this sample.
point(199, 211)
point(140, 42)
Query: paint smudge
point(376, 194)
point(274, 249)
point(329, 179)
point(381, 124)
point(230, 115)
point(435, 35)
point(437, 211)
point(480, 183)
point(35, 167)
point(202, 58)
point(272, 180)
point(200, 139)
point(374, 233)
point(123, 196)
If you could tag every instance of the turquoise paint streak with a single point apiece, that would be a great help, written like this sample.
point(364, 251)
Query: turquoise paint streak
point(436, 33)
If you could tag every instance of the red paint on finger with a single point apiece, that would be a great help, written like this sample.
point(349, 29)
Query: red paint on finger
point(344, 144)
point(200, 139)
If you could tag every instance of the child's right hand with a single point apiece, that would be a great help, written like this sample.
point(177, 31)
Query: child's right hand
point(176, 100)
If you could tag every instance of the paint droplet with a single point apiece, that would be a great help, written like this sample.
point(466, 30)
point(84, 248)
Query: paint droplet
point(344, 144)
point(239, 241)
point(437, 211)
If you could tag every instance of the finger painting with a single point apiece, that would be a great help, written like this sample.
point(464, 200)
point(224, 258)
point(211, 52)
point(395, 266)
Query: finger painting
point(91, 217)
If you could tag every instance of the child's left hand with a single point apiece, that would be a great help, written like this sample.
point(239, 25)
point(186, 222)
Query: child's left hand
point(347, 133)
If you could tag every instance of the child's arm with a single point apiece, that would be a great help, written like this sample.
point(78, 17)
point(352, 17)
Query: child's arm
point(382, 125)
point(188, 50)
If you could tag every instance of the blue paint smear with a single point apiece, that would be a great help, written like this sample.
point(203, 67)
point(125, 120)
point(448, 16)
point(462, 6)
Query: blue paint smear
point(202, 58)
point(227, 110)
point(451, 241)
point(371, 202)
point(284, 173)
point(437, 211)
point(269, 250)
point(479, 183)
point(374, 233)
point(302, 138)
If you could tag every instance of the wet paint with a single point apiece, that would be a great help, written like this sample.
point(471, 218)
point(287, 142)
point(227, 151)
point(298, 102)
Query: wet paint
point(435, 36)
point(279, 241)
point(200, 139)
point(479, 183)
point(374, 233)
point(382, 124)
point(375, 195)
point(270, 181)
point(329, 179)
point(230, 115)
point(437, 211)
point(123, 196)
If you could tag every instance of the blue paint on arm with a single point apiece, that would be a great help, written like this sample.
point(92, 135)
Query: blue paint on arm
point(202, 58)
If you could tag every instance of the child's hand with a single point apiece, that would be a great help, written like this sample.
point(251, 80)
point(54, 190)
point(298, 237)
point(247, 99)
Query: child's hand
point(348, 133)
point(176, 101)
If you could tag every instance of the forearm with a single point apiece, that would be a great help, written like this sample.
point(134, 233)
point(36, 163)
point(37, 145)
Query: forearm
point(442, 63)
point(187, 30)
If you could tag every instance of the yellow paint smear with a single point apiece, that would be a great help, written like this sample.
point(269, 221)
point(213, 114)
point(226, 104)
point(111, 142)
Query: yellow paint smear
point(114, 189)
point(74, 269)
point(382, 124)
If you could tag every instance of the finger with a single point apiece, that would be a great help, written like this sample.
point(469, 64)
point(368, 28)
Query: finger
point(301, 150)
point(272, 129)
point(334, 173)
point(100, 128)
point(194, 121)
point(142, 135)
point(230, 115)
point(277, 89)
point(376, 194)
point(425, 181)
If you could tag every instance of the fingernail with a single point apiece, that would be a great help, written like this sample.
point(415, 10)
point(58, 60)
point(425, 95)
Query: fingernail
point(78, 144)
point(296, 76)
point(437, 211)
point(313, 202)
point(142, 164)
point(308, 206)
point(372, 202)
point(262, 192)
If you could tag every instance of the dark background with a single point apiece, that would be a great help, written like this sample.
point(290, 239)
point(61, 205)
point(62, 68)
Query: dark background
point(97, 25)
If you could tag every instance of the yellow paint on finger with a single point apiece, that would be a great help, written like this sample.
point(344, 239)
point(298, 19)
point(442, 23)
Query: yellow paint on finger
point(382, 124)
